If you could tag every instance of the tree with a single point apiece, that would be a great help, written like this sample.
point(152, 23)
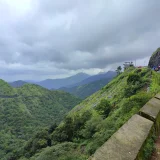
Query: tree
point(119, 69)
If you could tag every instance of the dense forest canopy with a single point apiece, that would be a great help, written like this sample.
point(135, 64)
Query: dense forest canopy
point(27, 110)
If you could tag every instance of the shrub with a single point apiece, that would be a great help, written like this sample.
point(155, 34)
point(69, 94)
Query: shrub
point(71, 126)
point(39, 141)
point(155, 85)
point(133, 78)
point(103, 108)
point(91, 127)
point(52, 128)
point(148, 148)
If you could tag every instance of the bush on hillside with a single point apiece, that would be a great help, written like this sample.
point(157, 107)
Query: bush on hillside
point(103, 108)
point(132, 89)
point(133, 78)
point(91, 127)
point(155, 85)
point(52, 128)
point(148, 148)
point(39, 141)
point(135, 82)
point(70, 129)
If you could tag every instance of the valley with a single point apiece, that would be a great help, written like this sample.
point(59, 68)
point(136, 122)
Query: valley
point(27, 110)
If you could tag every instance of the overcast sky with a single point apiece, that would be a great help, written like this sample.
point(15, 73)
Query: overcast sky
point(56, 38)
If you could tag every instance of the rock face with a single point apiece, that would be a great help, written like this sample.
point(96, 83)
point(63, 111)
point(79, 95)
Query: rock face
point(155, 59)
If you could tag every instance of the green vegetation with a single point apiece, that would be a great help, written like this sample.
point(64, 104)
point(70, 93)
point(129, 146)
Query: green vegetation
point(86, 90)
point(88, 125)
point(27, 110)
point(148, 147)
point(155, 85)
point(103, 108)
point(119, 69)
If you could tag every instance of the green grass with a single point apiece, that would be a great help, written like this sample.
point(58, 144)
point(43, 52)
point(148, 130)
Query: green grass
point(155, 85)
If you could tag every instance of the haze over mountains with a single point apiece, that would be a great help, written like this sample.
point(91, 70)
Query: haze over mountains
point(90, 85)
point(57, 83)
point(109, 74)
point(75, 80)
point(54, 83)
point(86, 90)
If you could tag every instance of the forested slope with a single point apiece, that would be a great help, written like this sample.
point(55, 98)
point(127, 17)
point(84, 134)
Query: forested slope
point(26, 110)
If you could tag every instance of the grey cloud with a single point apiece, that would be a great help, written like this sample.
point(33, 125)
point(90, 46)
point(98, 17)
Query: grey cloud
point(72, 35)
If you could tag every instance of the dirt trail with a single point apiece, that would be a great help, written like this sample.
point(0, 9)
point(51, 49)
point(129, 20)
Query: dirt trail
point(156, 154)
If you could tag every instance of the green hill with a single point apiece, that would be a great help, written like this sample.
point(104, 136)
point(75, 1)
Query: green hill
point(26, 110)
point(88, 125)
point(86, 90)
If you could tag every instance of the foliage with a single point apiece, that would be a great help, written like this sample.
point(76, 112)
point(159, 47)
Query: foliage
point(137, 80)
point(63, 151)
point(133, 78)
point(70, 128)
point(26, 110)
point(155, 85)
point(118, 70)
point(103, 108)
point(148, 148)
point(91, 127)
point(39, 141)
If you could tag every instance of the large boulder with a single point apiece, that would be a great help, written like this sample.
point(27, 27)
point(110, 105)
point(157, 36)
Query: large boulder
point(155, 59)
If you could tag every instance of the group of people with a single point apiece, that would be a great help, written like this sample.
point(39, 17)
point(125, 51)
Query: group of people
point(156, 68)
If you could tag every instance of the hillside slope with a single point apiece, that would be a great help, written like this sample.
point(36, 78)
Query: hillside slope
point(86, 90)
point(26, 110)
point(89, 124)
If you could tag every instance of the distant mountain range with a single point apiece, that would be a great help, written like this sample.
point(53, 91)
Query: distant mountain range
point(17, 84)
point(53, 83)
point(109, 74)
point(81, 84)
point(86, 90)
point(57, 83)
